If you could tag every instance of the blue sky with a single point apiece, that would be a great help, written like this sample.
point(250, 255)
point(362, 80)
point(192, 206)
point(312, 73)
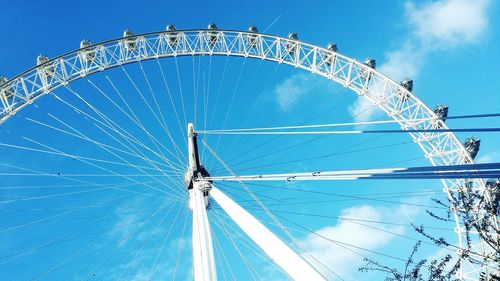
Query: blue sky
point(88, 228)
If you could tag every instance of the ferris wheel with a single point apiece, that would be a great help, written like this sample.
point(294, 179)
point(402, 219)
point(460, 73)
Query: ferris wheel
point(178, 145)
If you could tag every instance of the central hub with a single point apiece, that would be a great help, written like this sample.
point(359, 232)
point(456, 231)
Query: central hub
point(196, 173)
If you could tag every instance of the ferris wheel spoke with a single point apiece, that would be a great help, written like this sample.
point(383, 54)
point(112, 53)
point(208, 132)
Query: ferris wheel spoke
point(155, 115)
point(155, 142)
point(229, 236)
point(347, 246)
point(174, 108)
point(163, 123)
point(217, 98)
point(235, 91)
point(179, 83)
point(128, 137)
point(108, 120)
point(239, 141)
point(181, 249)
point(69, 156)
point(57, 186)
point(32, 172)
point(25, 199)
point(125, 176)
point(276, 138)
point(123, 163)
point(101, 145)
point(168, 162)
point(78, 254)
point(243, 239)
point(219, 91)
point(250, 114)
point(162, 247)
point(220, 265)
point(363, 223)
point(155, 230)
point(120, 243)
point(195, 92)
point(206, 99)
point(48, 218)
point(292, 148)
point(65, 236)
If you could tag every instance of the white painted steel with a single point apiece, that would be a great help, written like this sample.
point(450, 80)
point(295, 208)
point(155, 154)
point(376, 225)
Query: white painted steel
point(291, 263)
point(203, 253)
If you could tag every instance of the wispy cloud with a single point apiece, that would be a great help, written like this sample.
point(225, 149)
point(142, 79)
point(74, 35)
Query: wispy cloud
point(298, 85)
point(449, 23)
point(489, 157)
point(291, 89)
point(339, 258)
point(433, 27)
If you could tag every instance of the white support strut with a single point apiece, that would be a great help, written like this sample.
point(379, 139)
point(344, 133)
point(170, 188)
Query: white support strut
point(291, 262)
point(203, 254)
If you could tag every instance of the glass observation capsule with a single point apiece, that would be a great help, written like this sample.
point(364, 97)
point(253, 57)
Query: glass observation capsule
point(370, 63)
point(172, 36)
point(213, 36)
point(472, 145)
point(87, 54)
point(253, 38)
point(130, 41)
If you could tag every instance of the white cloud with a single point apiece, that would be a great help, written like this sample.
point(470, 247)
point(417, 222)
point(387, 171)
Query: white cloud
point(434, 26)
point(488, 157)
point(403, 63)
point(299, 85)
point(345, 262)
point(292, 88)
point(363, 110)
point(449, 22)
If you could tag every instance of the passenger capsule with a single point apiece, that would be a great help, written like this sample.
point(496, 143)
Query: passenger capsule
point(442, 112)
point(47, 70)
point(213, 36)
point(41, 59)
point(493, 186)
point(407, 84)
point(253, 38)
point(328, 58)
point(172, 36)
point(291, 46)
point(332, 47)
point(293, 36)
point(472, 145)
point(3, 80)
point(85, 43)
point(170, 28)
point(87, 54)
point(370, 63)
point(130, 40)
point(8, 90)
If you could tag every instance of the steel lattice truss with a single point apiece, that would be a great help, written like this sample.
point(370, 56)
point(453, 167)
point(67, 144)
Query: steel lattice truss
point(441, 148)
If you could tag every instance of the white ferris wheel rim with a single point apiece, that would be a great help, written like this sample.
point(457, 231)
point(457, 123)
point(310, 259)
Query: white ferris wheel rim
point(441, 148)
